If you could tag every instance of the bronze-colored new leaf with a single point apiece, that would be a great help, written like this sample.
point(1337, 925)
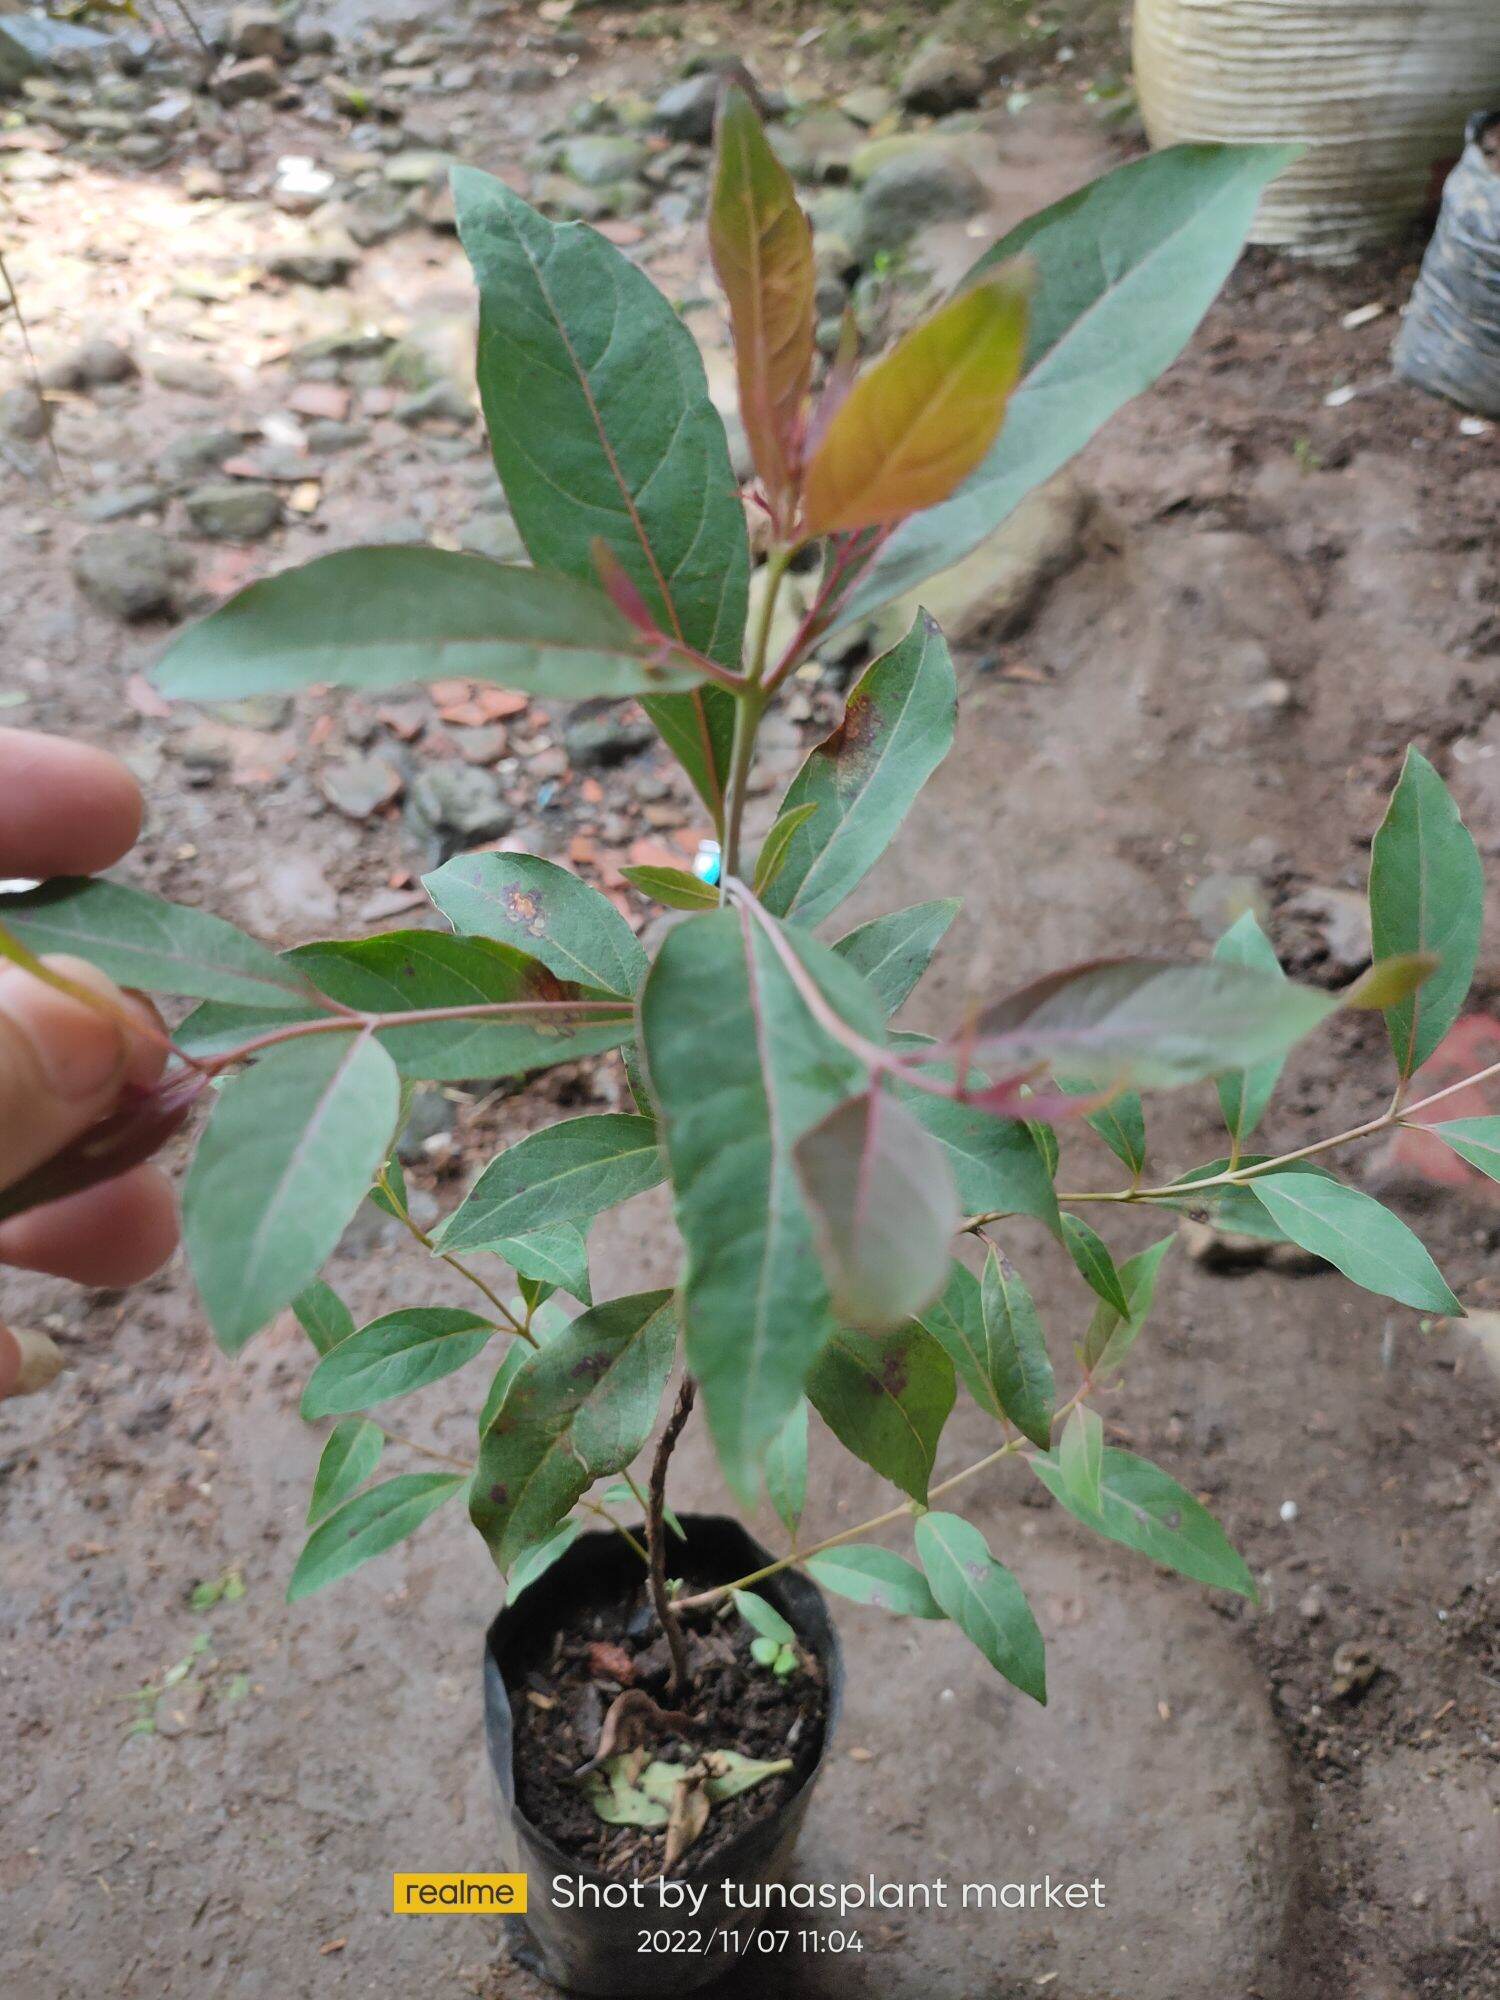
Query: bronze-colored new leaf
point(914, 426)
point(762, 251)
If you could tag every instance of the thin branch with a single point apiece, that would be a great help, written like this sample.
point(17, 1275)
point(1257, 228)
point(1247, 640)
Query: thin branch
point(518, 1327)
point(656, 1534)
point(346, 1023)
point(426, 1450)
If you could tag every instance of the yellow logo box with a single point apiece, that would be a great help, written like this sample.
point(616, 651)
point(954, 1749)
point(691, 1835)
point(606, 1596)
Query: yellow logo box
point(458, 1895)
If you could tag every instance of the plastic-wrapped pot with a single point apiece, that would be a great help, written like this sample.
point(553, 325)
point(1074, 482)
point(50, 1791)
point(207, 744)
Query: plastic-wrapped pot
point(598, 1951)
point(1377, 91)
point(1449, 341)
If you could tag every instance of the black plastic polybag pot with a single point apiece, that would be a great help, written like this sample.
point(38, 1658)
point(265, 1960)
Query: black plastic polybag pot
point(1450, 338)
point(598, 1951)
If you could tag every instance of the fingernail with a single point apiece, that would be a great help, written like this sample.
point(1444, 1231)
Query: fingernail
point(79, 1050)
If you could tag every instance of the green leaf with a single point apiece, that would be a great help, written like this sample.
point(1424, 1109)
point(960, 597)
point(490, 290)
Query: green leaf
point(1121, 1123)
point(1245, 1093)
point(1014, 1355)
point(886, 1399)
point(545, 911)
point(740, 1071)
point(998, 1164)
point(566, 1172)
point(389, 1194)
point(1359, 1237)
point(892, 952)
point(1147, 1022)
point(367, 1526)
point(1125, 270)
point(884, 1209)
point(380, 618)
point(349, 1457)
point(285, 1160)
point(772, 857)
point(897, 728)
point(416, 971)
point(393, 1355)
point(1111, 1334)
point(576, 1410)
point(1095, 1265)
point(1476, 1140)
point(983, 1599)
point(602, 427)
point(673, 886)
point(500, 1381)
point(763, 1618)
point(539, 1558)
point(141, 941)
point(1080, 1458)
point(870, 1575)
point(1147, 1511)
point(786, 1467)
point(763, 254)
point(322, 1315)
point(556, 1257)
point(1426, 895)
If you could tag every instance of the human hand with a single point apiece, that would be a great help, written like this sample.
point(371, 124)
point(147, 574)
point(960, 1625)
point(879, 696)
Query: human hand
point(66, 809)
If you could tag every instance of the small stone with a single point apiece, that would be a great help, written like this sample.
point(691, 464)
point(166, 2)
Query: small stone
point(598, 159)
point(89, 366)
point(460, 799)
point(301, 185)
point(204, 752)
point(204, 184)
point(132, 572)
point(317, 262)
point(1355, 1668)
point(1341, 920)
point(311, 38)
point(119, 503)
point(911, 192)
point(187, 458)
point(941, 78)
point(326, 436)
point(598, 734)
point(242, 81)
point(484, 745)
point(686, 110)
point(23, 414)
point(359, 786)
point(868, 104)
point(494, 535)
point(182, 371)
point(255, 31)
point(234, 510)
point(1313, 1605)
point(174, 113)
point(443, 402)
point(415, 168)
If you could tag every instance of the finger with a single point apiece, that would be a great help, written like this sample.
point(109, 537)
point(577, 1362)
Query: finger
point(116, 1234)
point(65, 808)
point(28, 1362)
point(63, 1062)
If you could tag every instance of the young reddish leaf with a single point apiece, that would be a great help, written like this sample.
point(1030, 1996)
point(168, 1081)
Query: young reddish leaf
point(762, 250)
point(884, 1206)
point(916, 424)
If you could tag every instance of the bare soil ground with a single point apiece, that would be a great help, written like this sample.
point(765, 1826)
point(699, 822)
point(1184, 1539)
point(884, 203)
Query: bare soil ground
point(1277, 587)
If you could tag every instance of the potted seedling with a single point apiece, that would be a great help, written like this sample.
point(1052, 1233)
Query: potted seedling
point(659, 1690)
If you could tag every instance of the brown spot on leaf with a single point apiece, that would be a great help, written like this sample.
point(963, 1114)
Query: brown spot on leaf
point(499, 1494)
point(525, 909)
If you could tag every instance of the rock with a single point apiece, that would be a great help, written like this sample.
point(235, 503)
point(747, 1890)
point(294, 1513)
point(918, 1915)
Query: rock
point(146, 149)
point(494, 535)
point(23, 414)
point(443, 402)
point(327, 436)
point(571, 202)
point(95, 363)
point(311, 38)
point(598, 159)
point(415, 168)
point(233, 510)
point(430, 1118)
point(941, 78)
point(119, 503)
point(598, 734)
point(1355, 1669)
point(818, 147)
point(373, 215)
point(131, 572)
point(242, 81)
point(29, 45)
point(204, 184)
point(183, 371)
point(995, 590)
point(359, 786)
point(174, 113)
point(256, 31)
point(187, 458)
point(301, 185)
point(868, 104)
point(908, 194)
point(1340, 919)
point(205, 752)
point(460, 800)
point(898, 146)
point(686, 110)
point(320, 261)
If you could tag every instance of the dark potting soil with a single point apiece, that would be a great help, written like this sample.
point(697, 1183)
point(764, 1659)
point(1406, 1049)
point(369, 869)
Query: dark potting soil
point(562, 1686)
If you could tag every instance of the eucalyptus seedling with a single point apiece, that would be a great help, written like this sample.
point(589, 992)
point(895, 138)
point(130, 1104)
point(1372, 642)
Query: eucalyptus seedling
point(826, 1168)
